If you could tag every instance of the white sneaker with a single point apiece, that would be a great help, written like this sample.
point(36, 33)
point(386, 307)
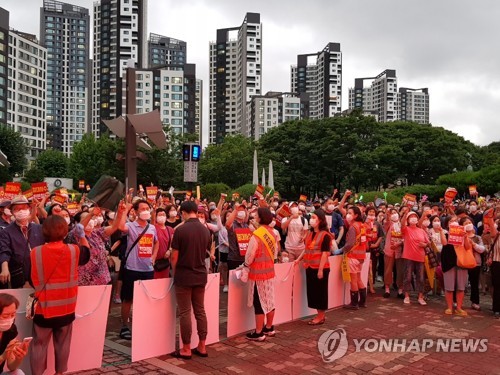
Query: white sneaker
point(406, 301)
point(225, 289)
point(422, 302)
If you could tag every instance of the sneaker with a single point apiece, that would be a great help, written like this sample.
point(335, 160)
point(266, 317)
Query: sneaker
point(387, 294)
point(422, 302)
point(448, 312)
point(117, 300)
point(454, 305)
point(269, 331)
point(125, 333)
point(496, 315)
point(401, 295)
point(379, 279)
point(225, 289)
point(254, 336)
point(476, 307)
point(406, 301)
point(460, 312)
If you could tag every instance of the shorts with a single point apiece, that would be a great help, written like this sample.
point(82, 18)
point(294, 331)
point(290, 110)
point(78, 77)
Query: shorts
point(129, 277)
point(455, 279)
point(355, 265)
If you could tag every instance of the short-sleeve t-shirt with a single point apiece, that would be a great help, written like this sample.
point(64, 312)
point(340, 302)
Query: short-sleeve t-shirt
point(295, 234)
point(412, 237)
point(139, 258)
point(7, 337)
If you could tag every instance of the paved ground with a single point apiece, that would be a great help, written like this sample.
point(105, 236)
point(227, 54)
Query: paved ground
point(294, 350)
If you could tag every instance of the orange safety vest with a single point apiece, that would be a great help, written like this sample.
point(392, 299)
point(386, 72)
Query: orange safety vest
point(262, 267)
point(58, 263)
point(358, 251)
point(312, 255)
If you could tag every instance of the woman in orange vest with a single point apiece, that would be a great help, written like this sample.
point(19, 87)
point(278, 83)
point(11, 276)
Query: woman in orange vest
point(355, 248)
point(318, 243)
point(54, 275)
point(259, 259)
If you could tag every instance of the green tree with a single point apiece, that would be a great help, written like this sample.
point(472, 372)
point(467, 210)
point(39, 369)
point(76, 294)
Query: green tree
point(50, 163)
point(14, 148)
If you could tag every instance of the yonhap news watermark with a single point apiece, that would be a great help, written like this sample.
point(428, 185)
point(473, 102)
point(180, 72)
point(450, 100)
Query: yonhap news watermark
point(333, 345)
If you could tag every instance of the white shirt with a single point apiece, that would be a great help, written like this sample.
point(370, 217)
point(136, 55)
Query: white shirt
point(295, 234)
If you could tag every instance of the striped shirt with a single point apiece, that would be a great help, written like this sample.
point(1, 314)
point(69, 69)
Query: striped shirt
point(495, 251)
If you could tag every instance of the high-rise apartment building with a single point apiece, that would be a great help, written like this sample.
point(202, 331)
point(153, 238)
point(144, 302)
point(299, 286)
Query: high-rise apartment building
point(414, 104)
point(272, 109)
point(27, 76)
point(380, 97)
point(320, 76)
point(198, 111)
point(235, 76)
point(171, 90)
point(4, 58)
point(119, 36)
point(166, 51)
point(65, 32)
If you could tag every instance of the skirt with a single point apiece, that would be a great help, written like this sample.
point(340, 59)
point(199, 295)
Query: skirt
point(317, 289)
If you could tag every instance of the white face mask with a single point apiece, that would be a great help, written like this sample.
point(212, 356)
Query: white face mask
point(212, 207)
point(302, 207)
point(99, 220)
point(313, 222)
point(294, 210)
point(68, 220)
point(453, 224)
point(145, 215)
point(285, 259)
point(473, 208)
point(436, 224)
point(348, 217)
point(275, 204)
point(331, 207)
point(371, 217)
point(426, 223)
point(22, 215)
point(273, 212)
point(469, 227)
point(213, 217)
point(394, 217)
point(412, 220)
point(172, 214)
point(90, 226)
point(6, 324)
point(161, 219)
point(241, 215)
point(202, 220)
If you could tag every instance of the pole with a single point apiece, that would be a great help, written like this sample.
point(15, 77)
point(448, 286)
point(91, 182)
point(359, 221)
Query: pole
point(130, 134)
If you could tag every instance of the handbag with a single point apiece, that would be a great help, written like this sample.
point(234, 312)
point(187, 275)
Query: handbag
point(124, 261)
point(431, 255)
point(163, 263)
point(465, 258)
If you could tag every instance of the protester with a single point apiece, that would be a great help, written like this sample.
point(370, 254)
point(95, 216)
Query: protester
point(142, 249)
point(415, 241)
point(172, 218)
point(315, 255)
point(355, 248)
point(295, 227)
point(393, 252)
point(16, 242)
point(437, 237)
point(189, 245)
point(478, 249)
point(12, 350)
point(494, 261)
point(165, 234)
point(223, 253)
point(259, 260)
point(54, 274)
point(236, 220)
point(5, 214)
point(374, 236)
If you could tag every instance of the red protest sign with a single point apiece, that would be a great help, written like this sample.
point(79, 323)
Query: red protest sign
point(2, 192)
point(456, 235)
point(73, 208)
point(236, 196)
point(243, 236)
point(276, 194)
point(410, 200)
point(81, 184)
point(12, 189)
point(259, 191)
point(450, 194)
point(473, 190)
point(303, 197)
point(39, 189)
point(281, 214)
point(60, 199)
point(28, 194)
point(151, 192)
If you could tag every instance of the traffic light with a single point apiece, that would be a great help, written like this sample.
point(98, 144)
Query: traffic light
point(191, 152)
point(195, 153)
point(186, 152)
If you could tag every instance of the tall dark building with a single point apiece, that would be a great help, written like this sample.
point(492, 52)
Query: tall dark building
point(65, 32)
point(4, 60)
point(166, 51)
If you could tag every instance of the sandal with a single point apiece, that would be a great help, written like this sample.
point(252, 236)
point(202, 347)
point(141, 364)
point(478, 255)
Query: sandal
point(200, 354)
point(177, 354)
point(125, 333)
point(313, 323)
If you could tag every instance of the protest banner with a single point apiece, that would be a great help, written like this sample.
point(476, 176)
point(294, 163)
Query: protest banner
point(472, 190)
point(28, 194)
point(303, 197)
point(456, 235)
point(276, 195)
point(235, 196)
point(12, 189)
point(81, 184)
point(281, 214)
point(243, 236)
point(409, 200)
point(2, 192)
point(59, 199)
point(73, 208)
point(259, 191)
point(450, 194)
point(151, 193)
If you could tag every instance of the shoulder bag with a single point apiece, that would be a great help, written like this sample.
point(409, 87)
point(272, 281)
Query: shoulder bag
point(124, 261)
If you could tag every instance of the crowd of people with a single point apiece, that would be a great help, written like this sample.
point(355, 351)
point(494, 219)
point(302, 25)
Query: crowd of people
point(426, 248)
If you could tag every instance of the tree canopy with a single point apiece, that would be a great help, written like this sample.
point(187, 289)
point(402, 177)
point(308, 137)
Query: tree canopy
point(14, 148)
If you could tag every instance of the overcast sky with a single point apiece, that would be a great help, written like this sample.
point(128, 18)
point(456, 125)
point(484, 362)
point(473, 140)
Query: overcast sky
point(449, 46)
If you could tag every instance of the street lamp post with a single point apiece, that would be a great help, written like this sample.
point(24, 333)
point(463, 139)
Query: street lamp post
point(130, 134)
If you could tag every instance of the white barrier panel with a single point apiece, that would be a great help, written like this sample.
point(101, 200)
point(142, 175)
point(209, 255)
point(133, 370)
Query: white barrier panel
point(364, 276)
point(336, 285)
point(283, 292)
point(212, 299)
point(89, 328)
point(300, 308)
point(153, 324)
point(240, 317)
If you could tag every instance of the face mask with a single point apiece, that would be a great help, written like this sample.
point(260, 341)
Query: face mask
point(285, 260)
point(5, 324)
point(7, 212)
point(273, 212)
point(212, 207)
point(161, 219)
point(412, 220)
point(22, 215)
point(275, 204)
point(241, 215)
point(426, 223)
point(145, 215)
point(302, 207)
point(213, 217)
point(312, 222)
point(473, 208)
point(99, 220)
point(453, 224)
point(394, 217)
point(348, 217)
point(436, 224)
point(202, 220)
point(172, 213)
point(469, 227)
point(371, 217)
point(90, 225)
point(294, 210)
point(68, 220)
